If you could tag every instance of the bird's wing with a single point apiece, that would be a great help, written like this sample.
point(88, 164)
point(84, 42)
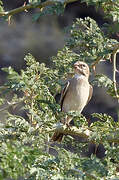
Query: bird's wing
point(90, 93)
point(63, 93)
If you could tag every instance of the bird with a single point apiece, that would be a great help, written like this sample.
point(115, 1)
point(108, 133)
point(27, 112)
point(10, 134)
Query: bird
point(76, 94)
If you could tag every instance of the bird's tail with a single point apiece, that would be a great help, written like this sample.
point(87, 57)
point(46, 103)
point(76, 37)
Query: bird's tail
point(57, 137)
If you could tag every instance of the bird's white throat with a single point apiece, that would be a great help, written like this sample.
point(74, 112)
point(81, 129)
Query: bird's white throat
point(79, 76)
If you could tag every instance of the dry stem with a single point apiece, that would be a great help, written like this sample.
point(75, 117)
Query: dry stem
point(115, 51)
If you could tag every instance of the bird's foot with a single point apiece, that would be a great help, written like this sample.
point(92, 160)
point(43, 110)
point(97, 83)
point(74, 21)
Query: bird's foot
point(68, 125)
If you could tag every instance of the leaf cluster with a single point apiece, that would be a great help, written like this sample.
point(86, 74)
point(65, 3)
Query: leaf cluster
point(56, 9)
point(1, 6)
point(89, 41)
point(110, 7)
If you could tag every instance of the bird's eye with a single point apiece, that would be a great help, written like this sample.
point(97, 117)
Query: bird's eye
point(83, 65)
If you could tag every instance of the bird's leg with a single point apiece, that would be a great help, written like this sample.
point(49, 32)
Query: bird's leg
point(67, 121)
point(63, 121)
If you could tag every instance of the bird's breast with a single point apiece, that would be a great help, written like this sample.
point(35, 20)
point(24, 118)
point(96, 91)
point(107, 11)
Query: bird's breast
point(76, 96)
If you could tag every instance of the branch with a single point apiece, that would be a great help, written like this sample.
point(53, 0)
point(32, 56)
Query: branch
point(73, 131)
point(32, 6)
point(115, 51)
point(95, 63)
point(8, 105)
point(82, 132)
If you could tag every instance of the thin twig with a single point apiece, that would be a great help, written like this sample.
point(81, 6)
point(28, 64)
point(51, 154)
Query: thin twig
point(115, 51)
point(95, 63)
point(12, 104)
point(32, 6)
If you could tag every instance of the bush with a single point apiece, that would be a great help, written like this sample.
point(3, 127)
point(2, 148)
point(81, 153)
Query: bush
point(25, 142)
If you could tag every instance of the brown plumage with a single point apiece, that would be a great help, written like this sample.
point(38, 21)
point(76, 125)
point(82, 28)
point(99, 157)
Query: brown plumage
point(76, 94)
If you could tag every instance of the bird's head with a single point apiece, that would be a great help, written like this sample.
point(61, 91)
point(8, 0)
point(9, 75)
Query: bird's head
point(81, 68)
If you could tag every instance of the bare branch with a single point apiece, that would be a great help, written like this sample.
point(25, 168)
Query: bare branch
point(115, 51)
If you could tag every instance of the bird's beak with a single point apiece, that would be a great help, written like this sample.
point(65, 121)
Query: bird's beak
point(76, 66)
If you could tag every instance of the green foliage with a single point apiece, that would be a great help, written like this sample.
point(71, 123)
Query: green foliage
point(102, 80)
point(34, 1)
point(111, 10)
point(64, 60)
point(56, 9)
point(110, 7)
point(1, 6)
point(89, 41)
point(24, 141)
point(24, 147)
point(104, 126)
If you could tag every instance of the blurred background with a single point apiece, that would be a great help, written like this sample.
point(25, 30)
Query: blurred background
point(44, 38)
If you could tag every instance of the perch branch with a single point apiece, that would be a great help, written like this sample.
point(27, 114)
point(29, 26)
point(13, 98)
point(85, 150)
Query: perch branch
point(82, 132)
point(32, 6)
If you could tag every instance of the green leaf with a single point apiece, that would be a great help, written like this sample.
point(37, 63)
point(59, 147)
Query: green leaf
point(56, 9)
point(102, 80)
